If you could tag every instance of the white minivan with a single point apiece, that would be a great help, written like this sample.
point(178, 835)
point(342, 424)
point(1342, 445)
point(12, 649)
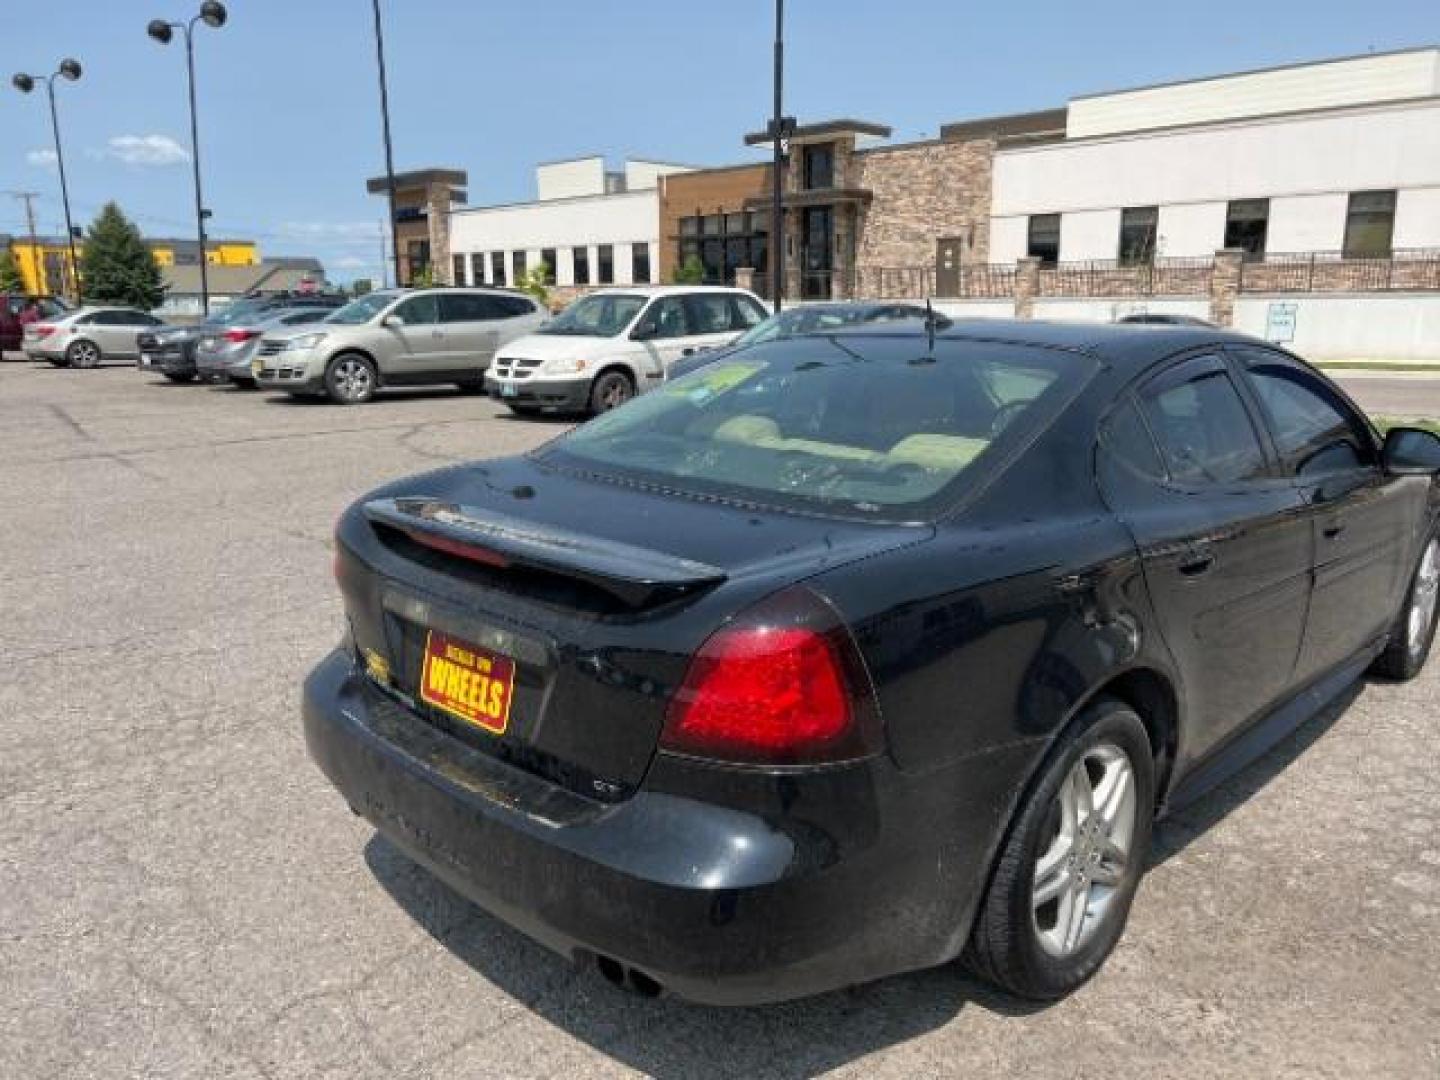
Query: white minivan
point(612, 344)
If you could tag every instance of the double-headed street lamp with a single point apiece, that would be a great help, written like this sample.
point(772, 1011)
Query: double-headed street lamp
point(70, 71)
point(212, 14)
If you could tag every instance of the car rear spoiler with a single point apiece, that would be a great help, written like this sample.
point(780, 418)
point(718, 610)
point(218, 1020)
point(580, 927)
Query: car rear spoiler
point(634, 575)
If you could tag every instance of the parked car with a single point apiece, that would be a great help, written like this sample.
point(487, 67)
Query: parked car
point(852, 653)
point(806, 319)
point(612, 344)
point(1162, 318)
point(17, 309)
point(89, 337)
point(226, 354)
point(172, 352)
point(397, 337)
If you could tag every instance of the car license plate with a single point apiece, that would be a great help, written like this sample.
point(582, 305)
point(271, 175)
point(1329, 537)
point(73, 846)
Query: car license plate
point(470, 683)
point(508, 389)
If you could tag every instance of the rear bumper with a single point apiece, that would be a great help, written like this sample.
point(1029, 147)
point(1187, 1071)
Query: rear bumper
point(718, 905)
point(557, 395)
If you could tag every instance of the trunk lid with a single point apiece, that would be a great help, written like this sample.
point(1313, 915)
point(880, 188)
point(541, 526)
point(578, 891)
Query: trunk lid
point(590, 596)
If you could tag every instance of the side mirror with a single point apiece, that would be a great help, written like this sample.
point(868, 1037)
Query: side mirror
point(393, 322)
point(1411, 452)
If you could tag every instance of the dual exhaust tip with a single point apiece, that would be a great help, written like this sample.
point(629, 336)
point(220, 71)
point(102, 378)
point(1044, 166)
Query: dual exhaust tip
point(626, 977)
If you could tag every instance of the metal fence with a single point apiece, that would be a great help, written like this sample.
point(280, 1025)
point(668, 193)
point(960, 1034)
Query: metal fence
point(1331, 271)
point(1108, 277)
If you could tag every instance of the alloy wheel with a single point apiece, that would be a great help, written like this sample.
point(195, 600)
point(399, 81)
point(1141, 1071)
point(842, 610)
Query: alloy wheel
point(1423, 599)
point(1080, 871)
point(352, 379)
point(614, 393)
point(84, 354)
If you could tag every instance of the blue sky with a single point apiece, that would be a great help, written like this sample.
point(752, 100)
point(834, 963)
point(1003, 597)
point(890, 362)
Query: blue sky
point(290, 122)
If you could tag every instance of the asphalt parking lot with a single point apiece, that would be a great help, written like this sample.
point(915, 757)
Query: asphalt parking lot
point(183, 895)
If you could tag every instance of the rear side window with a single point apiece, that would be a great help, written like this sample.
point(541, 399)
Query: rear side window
point(1200, 422)
point(747, 312)
point(1127, 441)
point(510, 307)
point(420, 310)
point(1315, 431)
point(467, 307)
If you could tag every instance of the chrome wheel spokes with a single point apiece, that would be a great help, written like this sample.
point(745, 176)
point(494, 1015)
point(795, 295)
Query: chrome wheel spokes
point(1080, 870)
point(1423, 601)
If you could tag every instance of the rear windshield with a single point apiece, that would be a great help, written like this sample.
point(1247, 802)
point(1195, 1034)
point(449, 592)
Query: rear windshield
point(843, 425)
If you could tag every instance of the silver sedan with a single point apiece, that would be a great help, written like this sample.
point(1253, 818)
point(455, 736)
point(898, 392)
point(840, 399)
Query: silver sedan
point(225, 353)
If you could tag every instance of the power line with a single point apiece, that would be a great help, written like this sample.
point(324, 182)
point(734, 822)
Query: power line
point(28, 198)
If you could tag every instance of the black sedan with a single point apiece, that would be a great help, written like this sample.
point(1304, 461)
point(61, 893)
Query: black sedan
point(852, 654)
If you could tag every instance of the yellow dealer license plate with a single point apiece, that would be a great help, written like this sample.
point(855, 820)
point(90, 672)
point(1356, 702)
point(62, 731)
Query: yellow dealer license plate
point(468, 682)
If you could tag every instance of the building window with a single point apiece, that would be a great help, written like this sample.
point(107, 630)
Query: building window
point(640, 263)
point(497, 268)
point(1246, 222)
point(819, 166)
point(417, 253)
point(477, 268)
point(1137, 234)
point(547, 256)
point(1044, 240)
point(1370, 225)
point(517, 267)
point(738, 241)
point(605, 256)
point(457, 270)
point(581, 255)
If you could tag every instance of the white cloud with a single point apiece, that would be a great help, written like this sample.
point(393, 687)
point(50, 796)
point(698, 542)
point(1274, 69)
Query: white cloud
point(350, 262)
point(146, 150)
point(333, 231)
point(41, 159)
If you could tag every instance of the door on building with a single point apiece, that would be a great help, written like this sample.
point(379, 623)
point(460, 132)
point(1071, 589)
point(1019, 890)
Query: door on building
point(947, 265)
point(817, 251)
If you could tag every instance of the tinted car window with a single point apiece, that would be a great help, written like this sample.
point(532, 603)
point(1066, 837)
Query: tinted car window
point(300, 318)
point(1204, 432)
point(854, 426)
point(511, 307)
point(747, 312)
point(468, 307)
point(1314, 430)
point(419, 310)
point(1126, 439)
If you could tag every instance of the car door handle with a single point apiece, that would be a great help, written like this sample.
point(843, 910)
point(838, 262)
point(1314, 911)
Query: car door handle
point(1197, 561)
point(1333, 530)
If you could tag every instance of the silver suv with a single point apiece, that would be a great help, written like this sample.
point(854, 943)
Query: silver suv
point(397, 337)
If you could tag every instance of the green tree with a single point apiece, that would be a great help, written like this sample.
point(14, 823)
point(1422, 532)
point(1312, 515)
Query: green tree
point(534, 280)
point(10, 279)
point(360, 286)
point(117, 266)
point(422, 278)
point(690, 272)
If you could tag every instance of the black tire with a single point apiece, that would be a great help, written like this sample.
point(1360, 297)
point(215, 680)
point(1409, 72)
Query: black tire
point(240, 383)
point(1408, 649)
point(351, 379)
point(83, 353)
point(610, 390)
point(1009, 945)
point(523, 410)
point(180, 376)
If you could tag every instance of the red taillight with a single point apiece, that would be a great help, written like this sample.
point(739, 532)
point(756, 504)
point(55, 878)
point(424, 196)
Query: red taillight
point(238, 336)
point(782, 685)
point(44, 329)
point(458, 548)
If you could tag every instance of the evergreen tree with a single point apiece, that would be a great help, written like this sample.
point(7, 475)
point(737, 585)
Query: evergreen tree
point(117, 267)
point(10, 279)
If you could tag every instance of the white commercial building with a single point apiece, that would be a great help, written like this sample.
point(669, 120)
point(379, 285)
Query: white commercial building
point(1340, 156)
point(589, 225)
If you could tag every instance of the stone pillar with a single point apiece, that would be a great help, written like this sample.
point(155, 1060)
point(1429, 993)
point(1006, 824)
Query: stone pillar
point(437, 218)
point(1225, 285)
point(745, 278)
point(1027, 285)
point(792, 255)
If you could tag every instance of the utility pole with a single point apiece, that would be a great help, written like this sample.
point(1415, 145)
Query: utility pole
point(28, 198)
point(384, 258)
point(781, 128)
point(389, 148)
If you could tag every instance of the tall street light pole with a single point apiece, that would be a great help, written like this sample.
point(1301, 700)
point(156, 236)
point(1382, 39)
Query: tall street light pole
point(389, 150)
point(69, 70)
point(780, 129)
point(212, 14)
